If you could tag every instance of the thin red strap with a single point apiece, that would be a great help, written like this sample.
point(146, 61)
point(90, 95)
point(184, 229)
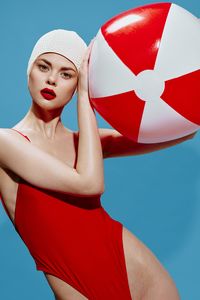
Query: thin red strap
point(21, 134)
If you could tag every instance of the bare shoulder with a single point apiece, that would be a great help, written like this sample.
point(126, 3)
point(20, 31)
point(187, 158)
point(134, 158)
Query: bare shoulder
point(10, 143)
point(147, 277)
point(7, 134)
point(7, 131)
point(6, 175)
point(4, 130)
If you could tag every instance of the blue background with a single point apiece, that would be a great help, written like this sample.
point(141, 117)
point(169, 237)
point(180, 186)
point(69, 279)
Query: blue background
point(156, 196)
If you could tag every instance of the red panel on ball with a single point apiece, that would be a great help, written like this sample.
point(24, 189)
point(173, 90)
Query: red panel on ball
point(140, 37)
point(122, 111)
point(183, 95)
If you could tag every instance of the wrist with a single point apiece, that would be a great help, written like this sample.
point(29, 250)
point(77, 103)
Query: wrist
point(83, 95)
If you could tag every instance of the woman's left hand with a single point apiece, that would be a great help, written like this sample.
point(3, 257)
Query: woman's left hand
point(83, 72)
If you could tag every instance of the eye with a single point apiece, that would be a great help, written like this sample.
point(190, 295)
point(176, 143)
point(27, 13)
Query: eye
point(67, 75)
point(42, 67)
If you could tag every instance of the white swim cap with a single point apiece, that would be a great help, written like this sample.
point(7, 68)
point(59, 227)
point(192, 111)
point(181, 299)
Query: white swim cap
point(65, 42)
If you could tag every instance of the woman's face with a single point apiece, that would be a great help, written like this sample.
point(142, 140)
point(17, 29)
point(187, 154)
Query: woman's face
point(55, 72)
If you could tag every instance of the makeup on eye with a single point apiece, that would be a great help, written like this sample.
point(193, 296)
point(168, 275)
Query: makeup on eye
point(43, 67)
point(61, 69)
point(68, 75)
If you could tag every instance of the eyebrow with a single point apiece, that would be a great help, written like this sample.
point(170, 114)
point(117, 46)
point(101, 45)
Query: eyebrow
point(63, 68)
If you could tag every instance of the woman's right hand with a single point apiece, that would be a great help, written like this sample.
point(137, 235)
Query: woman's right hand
point(83, 72)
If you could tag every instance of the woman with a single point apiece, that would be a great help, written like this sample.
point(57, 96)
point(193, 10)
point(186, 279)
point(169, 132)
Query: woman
point(51, 180)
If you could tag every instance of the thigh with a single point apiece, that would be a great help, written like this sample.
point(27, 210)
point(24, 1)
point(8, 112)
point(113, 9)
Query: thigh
point(143, 268)
point(62, 290)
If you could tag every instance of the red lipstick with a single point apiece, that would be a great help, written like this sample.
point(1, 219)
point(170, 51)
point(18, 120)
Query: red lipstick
point(48, 94)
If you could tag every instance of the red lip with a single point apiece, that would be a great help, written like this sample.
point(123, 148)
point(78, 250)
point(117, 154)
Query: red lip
point(48, 94)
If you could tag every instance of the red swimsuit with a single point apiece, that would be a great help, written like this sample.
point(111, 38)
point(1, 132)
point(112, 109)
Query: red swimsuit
point(74, 239)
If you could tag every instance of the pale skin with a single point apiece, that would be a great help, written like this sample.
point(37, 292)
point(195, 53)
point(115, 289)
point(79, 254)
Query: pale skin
point(56, 146)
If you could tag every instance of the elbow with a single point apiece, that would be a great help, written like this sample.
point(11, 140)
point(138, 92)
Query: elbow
point(100, 190)
point(89, 186)
point(94, 188)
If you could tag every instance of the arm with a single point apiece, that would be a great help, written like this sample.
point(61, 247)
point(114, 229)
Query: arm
point(115, 145)
point(43, 170)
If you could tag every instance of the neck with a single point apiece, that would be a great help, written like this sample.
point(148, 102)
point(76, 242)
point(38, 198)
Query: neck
point(47, 123)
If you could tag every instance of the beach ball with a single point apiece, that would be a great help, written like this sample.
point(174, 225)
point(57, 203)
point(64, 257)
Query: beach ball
point(144, 73)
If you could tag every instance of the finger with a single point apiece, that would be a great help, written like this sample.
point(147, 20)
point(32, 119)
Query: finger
point(87, 54)
point(91, 42)
point(89, 48)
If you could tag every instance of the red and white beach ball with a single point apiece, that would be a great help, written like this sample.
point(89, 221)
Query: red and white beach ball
point(144, 73)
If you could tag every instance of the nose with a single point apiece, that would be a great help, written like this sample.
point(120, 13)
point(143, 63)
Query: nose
point(52, 80)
